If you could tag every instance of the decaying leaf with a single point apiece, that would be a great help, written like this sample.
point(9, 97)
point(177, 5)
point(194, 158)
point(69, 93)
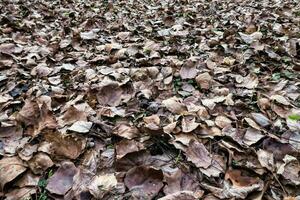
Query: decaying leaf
point(222, 121)
point(102, 184)
point(67, 146)
point(204, 80)
point(198, 154)
point(81, 127)
point(126, 131)
point(261, 119)
point(127, 146)
point(62, 180)
point(40, 163)
point(10, 168)
point(174, 105)
point(149, 99)
point(252, 136)
point(188, 124)
point(144, 182)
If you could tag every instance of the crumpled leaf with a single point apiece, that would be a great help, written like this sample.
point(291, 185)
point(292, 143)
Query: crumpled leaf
point(249, 82)
point(266, 159)
point(174, 105)
point(65, 146)
point(144, 182)
point(256, 36)
point(188, 124)
point(204, 80)
point(290, 170)
point(81, 127)
point(174, 179)
point(40, 163)
point(127, 146)
point(222, 121)
point(71, 116)
point(62, 180)
point(10, 168)
point(198, 154)
point(152, 122)
point(102, 184)
point(252, 136)
point(35, 118)
point(126, 131)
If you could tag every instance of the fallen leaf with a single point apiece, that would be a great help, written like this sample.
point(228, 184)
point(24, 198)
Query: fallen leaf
point(280, 99)
point(10, 168)
point(65, 146)
point(127, 146)
point(198, 154)
point(204, 80)
point(144, 182)
point(40, 163)
point(126, 131)
point(188, 124)
point(62, 180)
point(252, 37)
point(174, 105)
point(222, 121)
point(252, 136)
point(261, 119)
point(102, 184)
point(249, 82)
point(81, 127)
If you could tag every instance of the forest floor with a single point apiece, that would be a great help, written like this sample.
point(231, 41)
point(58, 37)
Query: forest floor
point(144, 99)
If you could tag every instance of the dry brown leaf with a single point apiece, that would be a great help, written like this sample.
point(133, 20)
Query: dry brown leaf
point(204, 80)
point(280, 99)
point(21, 193)
point(126, 131)
point(127, 146)
point(144, 182)
point(174, 179)
point(71, 116)
point(174, 105)
point(198, 154)
point(40, 163)
point(261, 119)
point(249, 82)
point(65, 146)
point(152, 122)
point(266, 159)
point(102, 184)
point(222, 121)
point(62, 180)
point(239, 180)
point(188, 124)
point(188, 70)
point(182, 195)
point(10, 168)
point(290, 170)
point(252, 136)
point(81, 127)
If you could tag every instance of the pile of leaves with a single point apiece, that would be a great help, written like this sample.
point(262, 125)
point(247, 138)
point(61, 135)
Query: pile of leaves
point(148, 99)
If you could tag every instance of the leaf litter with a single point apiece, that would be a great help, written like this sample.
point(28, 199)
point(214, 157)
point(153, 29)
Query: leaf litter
point(149, 99)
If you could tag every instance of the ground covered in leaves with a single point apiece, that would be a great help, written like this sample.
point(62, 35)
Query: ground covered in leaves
point(168, 99)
